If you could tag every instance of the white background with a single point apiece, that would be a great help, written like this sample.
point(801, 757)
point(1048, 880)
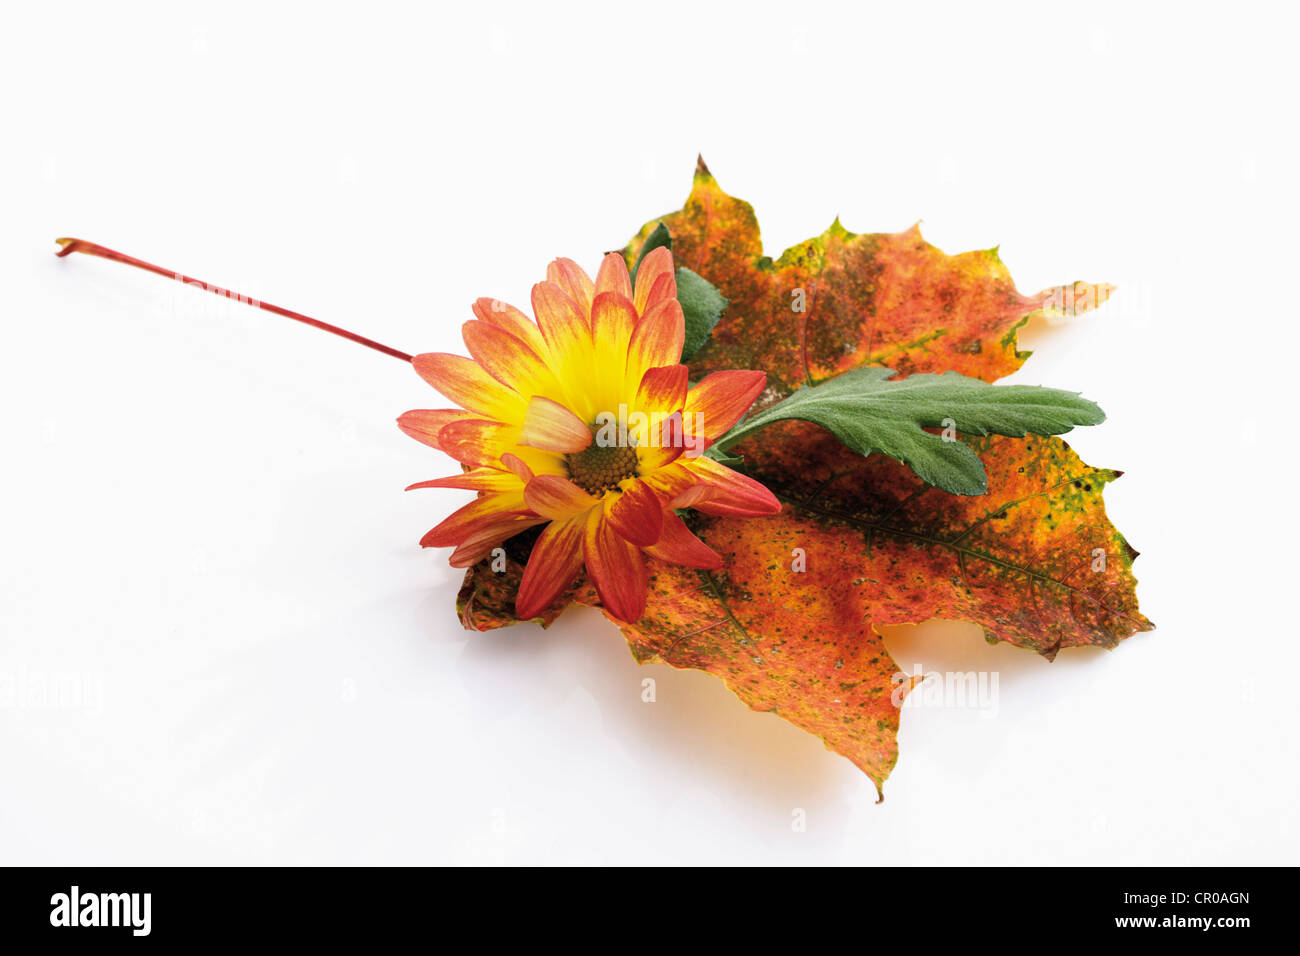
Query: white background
point(203, 524)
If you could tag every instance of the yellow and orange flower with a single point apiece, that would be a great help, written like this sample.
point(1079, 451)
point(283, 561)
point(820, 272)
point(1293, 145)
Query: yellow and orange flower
point(584, 422)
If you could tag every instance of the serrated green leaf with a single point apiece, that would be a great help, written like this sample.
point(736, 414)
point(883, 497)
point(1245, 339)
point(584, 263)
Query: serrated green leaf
point(869, 413)
point(702, 304)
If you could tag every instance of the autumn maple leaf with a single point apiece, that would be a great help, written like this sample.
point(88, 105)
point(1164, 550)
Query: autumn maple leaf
point(791, 621)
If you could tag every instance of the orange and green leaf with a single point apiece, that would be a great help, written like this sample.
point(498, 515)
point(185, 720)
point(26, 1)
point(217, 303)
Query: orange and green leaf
point(843, 300)
point(1035, 562)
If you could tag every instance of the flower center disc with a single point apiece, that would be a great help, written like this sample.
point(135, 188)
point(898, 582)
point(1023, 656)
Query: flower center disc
point(598, 469)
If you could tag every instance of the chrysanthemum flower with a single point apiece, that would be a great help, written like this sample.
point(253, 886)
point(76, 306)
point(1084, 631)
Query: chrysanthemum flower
point(584, 422)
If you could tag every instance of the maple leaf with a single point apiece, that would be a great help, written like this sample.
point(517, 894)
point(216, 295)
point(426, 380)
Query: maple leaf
point(840, 301)
point(792, 621)
point(1034, 563)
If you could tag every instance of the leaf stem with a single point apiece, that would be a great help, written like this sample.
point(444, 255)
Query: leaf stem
point(748, 426)
point(738, 432)
point(93, 249)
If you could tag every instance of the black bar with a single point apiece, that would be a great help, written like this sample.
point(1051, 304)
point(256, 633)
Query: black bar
point(887, 905)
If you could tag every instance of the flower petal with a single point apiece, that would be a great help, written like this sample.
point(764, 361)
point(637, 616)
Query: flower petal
point(651, 458)
point(536, 461)
point(577, 285)
point(612, 322)
point(424, 424)
point(661, 394)
point(474, 441)
point(718, 402)
point(564, 325)
point(657, 340)
point(616, 568)
point(469, 385)
point(507, 358)
point(505, 316)
point(567, 331)
point(656, 265)
point(481, 513)
point(728, 492)
point(665, 287)
point(662, 388)
point(518, 466)
point(554, 563)
point(555, 496)
point(674, 484)
point(550, 426)
point(476, 479)
point(677, 545)
point(483, 540)
point(612, 277)
point(637, 514)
